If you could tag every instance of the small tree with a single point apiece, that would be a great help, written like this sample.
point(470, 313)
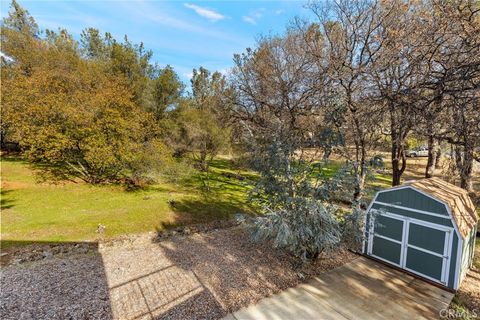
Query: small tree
point(201, 134)
point(279, 105)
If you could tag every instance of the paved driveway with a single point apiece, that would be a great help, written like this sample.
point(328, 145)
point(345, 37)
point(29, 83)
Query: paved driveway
point(362, 289)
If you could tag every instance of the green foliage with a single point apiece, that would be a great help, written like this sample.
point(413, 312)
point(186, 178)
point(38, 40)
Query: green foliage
point(297, 197)
point(167, 90)
point(352, 226)
point(413, 142)
point(81, 118)
point(197, 125)
point(93, 45)
point(152, 161)
point(69, 112)
point(20, 20)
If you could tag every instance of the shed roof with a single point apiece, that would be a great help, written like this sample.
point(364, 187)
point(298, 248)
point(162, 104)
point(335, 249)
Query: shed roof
point(461, 206)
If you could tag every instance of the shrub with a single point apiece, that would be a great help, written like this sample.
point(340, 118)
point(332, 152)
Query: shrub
point(307, 228)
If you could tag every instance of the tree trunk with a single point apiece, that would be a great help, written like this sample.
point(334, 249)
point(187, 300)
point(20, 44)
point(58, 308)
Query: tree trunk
point(466, 169)
point(203, 160)
point(458, 159)
point(399, 160)
point(359, 186)
point(438, 156)
point(432, 157)
point(290, 179)
point(398, 134)
point(360, 162)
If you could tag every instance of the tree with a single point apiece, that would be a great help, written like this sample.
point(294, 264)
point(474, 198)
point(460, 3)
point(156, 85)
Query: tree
point(167, 90)
point(20, 20)
point(19, 41)
point(353, 39)
point(94, 46)
point(453, 80)
point(127, 59)
point(200, 134)
point(278, 101)
point(209, 129)
point(394, 75)
point(81, 120)
point(69, 112)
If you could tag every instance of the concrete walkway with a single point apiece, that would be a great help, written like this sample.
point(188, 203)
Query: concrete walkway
point(362, 289)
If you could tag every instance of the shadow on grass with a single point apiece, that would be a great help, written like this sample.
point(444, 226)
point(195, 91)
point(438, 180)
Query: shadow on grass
point(5, 202)
point(11, 157)
point(55, 174)
point(205, 210)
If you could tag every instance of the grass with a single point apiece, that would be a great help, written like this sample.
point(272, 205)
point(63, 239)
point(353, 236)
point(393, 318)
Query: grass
point(71, 211)
point(56, 211)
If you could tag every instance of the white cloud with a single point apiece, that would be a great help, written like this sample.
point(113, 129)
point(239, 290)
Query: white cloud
point(206, 13)
point(254, 16)
point(188, 75)
point(249, 19)
point(279, 11)
point(167, 17)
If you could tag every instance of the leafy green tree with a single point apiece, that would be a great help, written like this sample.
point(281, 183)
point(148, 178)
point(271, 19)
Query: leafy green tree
point(19, 41)
point(21, 21)
point(201, 134)
point(94, 46)
point(203, 121)
point(167, 90)
point(127, 59)
point(72, 112)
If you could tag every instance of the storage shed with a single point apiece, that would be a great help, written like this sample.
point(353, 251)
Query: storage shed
point(426, 227)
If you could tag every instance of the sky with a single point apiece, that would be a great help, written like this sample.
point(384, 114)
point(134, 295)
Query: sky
point(184, 34)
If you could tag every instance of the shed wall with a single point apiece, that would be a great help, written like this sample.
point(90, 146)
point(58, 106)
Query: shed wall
point(467, 252)
point(410, 198)
point(415, 215)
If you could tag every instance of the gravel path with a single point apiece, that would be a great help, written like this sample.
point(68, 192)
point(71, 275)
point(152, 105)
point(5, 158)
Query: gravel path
point(201, 276)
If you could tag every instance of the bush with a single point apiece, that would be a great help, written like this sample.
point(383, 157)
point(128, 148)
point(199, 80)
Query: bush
point(352, 226)
point(307, 228)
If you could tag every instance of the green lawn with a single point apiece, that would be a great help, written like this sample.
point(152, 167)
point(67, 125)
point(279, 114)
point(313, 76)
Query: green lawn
point(69, 211)
point(35, 211)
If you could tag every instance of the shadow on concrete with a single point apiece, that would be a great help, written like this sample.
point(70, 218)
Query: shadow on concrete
point(362, 289)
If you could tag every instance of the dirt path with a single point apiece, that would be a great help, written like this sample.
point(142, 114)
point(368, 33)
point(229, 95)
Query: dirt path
point(201, 276)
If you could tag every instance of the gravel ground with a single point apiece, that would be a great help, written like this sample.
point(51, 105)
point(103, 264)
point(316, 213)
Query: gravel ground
point(469, 292)
point(56, 289)
point(200, 276)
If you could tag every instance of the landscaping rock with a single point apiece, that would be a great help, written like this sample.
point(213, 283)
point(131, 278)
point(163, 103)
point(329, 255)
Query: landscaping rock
point(202, 275)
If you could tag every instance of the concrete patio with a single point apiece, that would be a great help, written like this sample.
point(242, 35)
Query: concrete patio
point(362, 289)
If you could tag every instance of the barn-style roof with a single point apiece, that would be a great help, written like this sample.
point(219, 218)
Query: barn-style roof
point(461, 206)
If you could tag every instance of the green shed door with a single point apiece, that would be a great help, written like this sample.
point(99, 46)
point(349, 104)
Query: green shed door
point(420, 247)
point(427, 251)
point(387, 239)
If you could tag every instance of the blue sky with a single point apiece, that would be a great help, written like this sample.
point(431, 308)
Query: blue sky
point(184, 34)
